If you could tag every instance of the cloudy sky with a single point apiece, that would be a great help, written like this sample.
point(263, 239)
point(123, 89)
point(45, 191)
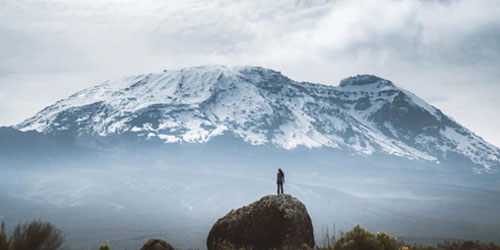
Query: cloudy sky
point(447, 52)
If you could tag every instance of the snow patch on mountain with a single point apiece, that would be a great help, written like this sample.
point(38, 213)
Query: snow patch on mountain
point(363, 115)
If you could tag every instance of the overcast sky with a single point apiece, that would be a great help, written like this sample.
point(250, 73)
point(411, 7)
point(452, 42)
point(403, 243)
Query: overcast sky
point(447, 52)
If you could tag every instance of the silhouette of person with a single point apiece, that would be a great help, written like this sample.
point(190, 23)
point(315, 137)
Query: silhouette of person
point(280, 180)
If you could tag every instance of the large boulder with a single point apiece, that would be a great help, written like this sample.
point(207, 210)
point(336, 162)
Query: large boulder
point(157, 244)
point(273, 222)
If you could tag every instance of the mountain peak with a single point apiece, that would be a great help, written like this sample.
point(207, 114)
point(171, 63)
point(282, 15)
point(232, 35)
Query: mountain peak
point(365, 81)
point(242, 69)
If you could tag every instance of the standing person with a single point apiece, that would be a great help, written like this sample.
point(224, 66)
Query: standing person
point(280, 180)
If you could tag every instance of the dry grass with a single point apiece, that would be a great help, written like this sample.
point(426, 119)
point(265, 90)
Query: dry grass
point(35, 235)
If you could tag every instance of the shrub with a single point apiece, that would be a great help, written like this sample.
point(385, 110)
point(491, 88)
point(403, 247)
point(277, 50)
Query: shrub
point(36, 235)
point(4, 240)
point(105, 246)
point(360, 239)
point(386, 242)
point(459, 245)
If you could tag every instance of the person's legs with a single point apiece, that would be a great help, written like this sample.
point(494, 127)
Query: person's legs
point(281, 187)
point(278, 188)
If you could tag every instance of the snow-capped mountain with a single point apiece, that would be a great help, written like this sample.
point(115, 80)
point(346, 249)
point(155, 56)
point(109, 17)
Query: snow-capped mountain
point(362, 115)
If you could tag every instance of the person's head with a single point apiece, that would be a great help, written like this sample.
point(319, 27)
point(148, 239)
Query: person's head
point(281, 171)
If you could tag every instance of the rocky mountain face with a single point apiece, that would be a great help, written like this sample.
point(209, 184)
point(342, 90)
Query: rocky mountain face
point(363, 115)
point(273, 222)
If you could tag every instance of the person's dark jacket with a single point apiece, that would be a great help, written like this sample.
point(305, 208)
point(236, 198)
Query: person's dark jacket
point(280, 178)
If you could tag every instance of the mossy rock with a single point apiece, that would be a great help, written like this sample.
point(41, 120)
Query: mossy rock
point(273, 222)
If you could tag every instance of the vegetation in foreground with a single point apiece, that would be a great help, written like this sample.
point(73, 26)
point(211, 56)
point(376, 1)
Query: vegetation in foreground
point(35, 235)
point(361, 239)
point(45, 236)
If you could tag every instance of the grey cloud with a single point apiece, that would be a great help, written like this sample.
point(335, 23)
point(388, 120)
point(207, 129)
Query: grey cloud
point(421, 33)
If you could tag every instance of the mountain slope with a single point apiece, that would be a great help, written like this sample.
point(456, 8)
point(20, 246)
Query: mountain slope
point(363, 115)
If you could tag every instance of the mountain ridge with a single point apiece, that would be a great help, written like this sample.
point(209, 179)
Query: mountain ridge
point(363, 115)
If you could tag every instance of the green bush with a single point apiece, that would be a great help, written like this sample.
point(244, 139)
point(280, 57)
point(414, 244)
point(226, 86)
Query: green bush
point(105, 246)
point(360, 239)
point(386, 242)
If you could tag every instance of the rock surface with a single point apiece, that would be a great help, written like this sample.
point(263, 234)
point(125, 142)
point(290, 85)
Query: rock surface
point(157, 244)
point(273, 222)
